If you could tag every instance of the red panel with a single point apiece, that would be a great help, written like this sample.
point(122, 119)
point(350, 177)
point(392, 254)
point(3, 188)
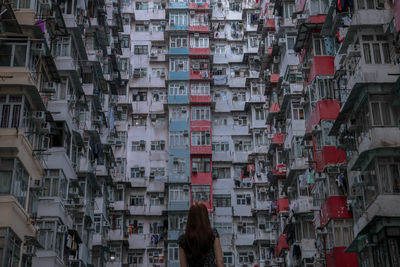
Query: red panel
point(283, 204)
point(317, 19)
point(337, 257)
point(328, 155)
point(201, 28)
point(200, 74)
point(334, 208)
point(274, 78)
point(280, 170)
point(199, 51)
point(196, 6)
point(270, 23)
point(280, 245)
point(200, 99)
point(200, 125)
point(201, 178)
point(274, 108)
point(397, 15)
point(324, 110)
point(321, 65)
point(277, 139)
point(200, 149)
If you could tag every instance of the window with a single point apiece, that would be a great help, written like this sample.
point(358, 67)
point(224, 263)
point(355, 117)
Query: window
point(141, 28)
point(319, 7)
point(319, 45)
point(137, 172)
point(139, 145)
point(220, 121)
point(253, 41)
point(134, 227)
point(178, 166)
point(158, 6)
point(139, 73)
point(178, 19)
point(200, 113)
point(123, 64)
point(246, 228)
point(201, 165)
point(288, 9)
point(178, 89)
point(223, 228)
point(240, 120)
point(221, 172)
point(376, 49)
point(179, 113)
point(243, 199)
point(135, 258)
point(157, 172)
point(156, 199)
point(142, 5)
point(157, 28)
point(220, 50)
point(178, 41)
point(199, 42)
point(173, 252)
point(260, 114)
point(141, 49)
point(126, 41)
point(388, 170)
point(220, 146)
point(177, 222)
point(239, 96)
point(126, 19)
point(136, 200)
point(222, 201)
point(200, 193)
point(199, 19)
point(298, 112)
point(228, 258)
point(11, 111)
point(243, 146)
point(342, 232)
point(200, 89)
point(156, 256)
point(178, 138)
point(139, 120)
point(159, 95)
point(246, 257)
point(158, 145)
point(201, 138)
point(325, 88)
point(9, 240)
point(235, 6)
point(179, 65)
point(62, 47)
point(13, 179)
point(261, 138)
point(290, 42)
point(54, 184)
point(178, 193)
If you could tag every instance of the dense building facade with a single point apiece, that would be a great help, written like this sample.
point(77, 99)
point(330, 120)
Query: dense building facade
point(282, 117)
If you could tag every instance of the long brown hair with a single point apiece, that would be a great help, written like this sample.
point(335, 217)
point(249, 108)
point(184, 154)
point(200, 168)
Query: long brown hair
point(198, 233)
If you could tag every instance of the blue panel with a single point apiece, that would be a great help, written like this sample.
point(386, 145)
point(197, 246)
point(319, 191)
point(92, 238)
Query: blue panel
point(174, 264)
point(174, 235)
point(178, 205)
point(179, 75)
point(178, 5)
point(179, 51)
point(178, 99)
point(176, 125)
point(179, 28)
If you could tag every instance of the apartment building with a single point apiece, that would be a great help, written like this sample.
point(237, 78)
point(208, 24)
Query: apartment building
point(58, 76)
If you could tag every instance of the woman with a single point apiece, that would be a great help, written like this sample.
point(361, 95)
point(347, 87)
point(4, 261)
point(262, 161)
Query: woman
point(200, 245)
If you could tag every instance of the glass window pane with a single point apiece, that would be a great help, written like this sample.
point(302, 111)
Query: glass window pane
point(5, 55)
point(5, 182)
point(377, 54)
point(19, 55)
point(367, 54)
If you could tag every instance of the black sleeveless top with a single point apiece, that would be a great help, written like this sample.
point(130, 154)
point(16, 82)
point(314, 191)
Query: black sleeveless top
point(206, 261)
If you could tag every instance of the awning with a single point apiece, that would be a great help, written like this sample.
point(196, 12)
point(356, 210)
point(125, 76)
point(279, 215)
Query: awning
point(80, 46)
point(8, 22)
point(51, 69)
point(302, 34)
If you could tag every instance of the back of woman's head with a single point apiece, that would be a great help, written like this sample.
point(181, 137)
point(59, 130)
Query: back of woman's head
point(198, 234)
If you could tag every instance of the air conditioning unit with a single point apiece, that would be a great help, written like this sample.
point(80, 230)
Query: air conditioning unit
point(39, 115)
point(162, 22)
point(185, 133)
point(308, 143)
point(119, 108)
point(153, 55)
point(315, 128)
point(270, 136)
point(162, 75)
point(191, 12)
point(36, 184)
point(153, 116)
point(196, 66)
point(359, 180)
point(303, 101)
point(279, 260)
point(71, 98)
point(333, 170)
point(319, 176)
point(146, 22)
point(29, 250)
point(196, 34)
point(49, 87)
point(120, 186)
point(186, 187)
point(62, 229)
point(118, 143)
point(172, 22)
point(282, 40)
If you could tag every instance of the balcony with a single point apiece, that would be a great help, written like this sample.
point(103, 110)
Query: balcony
point(178, 51)
point(244, 239)
point(222, 156)
point(179, 5)
point(328, 155)
point(199, 28)
point(173, 27)
point(200, 99)
point(15, 217)
point(242, 210)
point(178, 205)
point(302, 205)
point(181, 75)
point(174, 234)
point(199, 51)
point(143, 241)
point(147, 210)
point(116, 235)
point(334, 208)
point(178, 99)
point(283, 205)
point(240, 156)
point(53, 207)
point(200, 150)
point(199, 5)
point(200, 74)
point(223, 211)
